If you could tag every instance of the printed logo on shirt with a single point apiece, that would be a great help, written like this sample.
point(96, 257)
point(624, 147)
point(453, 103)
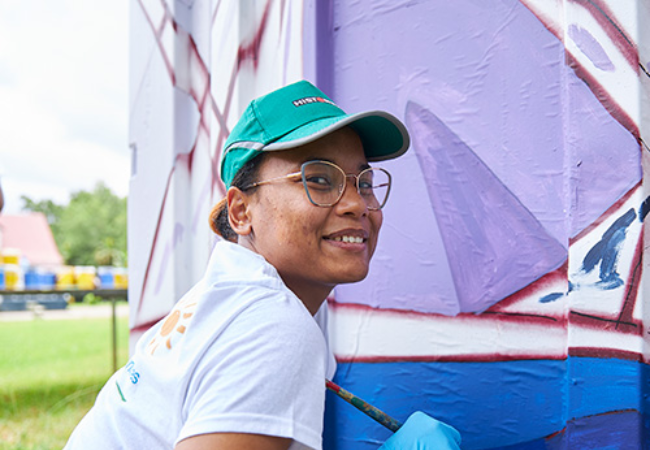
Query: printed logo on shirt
point(174, 326)
point(133, 376)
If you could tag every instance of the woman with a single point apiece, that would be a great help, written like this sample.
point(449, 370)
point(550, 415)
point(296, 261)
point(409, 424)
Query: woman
point(240, 363)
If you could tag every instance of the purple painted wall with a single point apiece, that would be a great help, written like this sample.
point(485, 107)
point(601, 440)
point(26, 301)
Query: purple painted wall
point(512, 244)
point(505, 297)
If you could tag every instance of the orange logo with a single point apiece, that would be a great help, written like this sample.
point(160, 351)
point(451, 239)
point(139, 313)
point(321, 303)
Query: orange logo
point(174, 326)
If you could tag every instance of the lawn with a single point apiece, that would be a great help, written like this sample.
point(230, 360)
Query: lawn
point(50, 374)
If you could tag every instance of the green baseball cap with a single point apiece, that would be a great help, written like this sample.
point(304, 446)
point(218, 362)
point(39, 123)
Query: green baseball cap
point(298, 114)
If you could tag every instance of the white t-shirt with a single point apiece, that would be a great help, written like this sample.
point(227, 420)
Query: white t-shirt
point(238, 353)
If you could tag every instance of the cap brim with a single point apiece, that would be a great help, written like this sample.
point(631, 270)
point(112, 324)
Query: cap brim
point(383, 135)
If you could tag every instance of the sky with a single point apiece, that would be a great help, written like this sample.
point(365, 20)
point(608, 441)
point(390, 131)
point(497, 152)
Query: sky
point(63, 98)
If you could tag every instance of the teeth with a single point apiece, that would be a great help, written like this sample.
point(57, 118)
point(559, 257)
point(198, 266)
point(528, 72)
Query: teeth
point(349, 239)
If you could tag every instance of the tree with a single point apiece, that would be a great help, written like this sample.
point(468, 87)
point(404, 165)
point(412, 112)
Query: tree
point(51, 210)
point(91, 229)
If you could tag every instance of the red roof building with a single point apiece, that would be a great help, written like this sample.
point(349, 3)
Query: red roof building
point(31, 235)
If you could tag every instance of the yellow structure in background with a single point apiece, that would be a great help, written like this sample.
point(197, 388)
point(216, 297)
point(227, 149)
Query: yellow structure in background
point(13, 273)
point(65, 278)
point(86, 277)
point(120, 278)
point(11, 256)
point(13, 276)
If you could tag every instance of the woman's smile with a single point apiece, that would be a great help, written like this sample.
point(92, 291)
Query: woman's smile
point(352, 240)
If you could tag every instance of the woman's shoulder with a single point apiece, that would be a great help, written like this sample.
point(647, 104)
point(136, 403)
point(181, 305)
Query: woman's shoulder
point(250, 308)
point(279, 312)
point(273, 329)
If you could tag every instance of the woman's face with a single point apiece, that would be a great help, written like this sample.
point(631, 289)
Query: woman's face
point(303, 241)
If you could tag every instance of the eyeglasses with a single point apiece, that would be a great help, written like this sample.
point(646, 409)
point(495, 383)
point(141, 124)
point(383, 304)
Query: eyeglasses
point(325, 184)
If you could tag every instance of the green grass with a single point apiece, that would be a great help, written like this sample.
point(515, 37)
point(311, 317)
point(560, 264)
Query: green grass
point(50, 374)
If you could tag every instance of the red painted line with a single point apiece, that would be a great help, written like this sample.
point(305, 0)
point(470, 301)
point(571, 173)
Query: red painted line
point(492, 316)
point(633, 283)
point(611, 324)
point(221, 117)
point(610, 104)
point(245, 53)
point(603, 96)
point(589, 352)
point(153, 245)
point(606, 353)
point(550, 279)
point(141, 328)
point(158, 34)
point(493, 357)
point(251, 52)
point(612, 210)
point(549, 25)
point(606, 19)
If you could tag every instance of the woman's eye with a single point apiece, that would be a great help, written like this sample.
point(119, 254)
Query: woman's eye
point(319, 181)
point(365, 184)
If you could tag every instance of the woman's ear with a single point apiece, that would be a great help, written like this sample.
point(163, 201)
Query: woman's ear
point(239, 212)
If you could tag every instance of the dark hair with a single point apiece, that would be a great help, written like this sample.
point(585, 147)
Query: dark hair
point(246, 176)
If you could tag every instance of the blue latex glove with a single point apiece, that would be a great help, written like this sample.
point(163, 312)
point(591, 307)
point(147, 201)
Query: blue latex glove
point(421, 432)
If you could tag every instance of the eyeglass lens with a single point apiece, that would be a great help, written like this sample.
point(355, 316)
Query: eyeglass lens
point(325, 183)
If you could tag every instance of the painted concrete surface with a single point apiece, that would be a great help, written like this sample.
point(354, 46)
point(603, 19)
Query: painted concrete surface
point(507, 295)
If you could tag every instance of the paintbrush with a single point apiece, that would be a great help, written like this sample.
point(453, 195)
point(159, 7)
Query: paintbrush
point(369, 410)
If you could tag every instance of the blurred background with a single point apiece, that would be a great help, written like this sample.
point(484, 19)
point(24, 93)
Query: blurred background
point(64, 173)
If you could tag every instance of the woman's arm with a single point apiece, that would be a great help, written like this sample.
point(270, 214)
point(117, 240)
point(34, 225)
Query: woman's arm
point(233, 441)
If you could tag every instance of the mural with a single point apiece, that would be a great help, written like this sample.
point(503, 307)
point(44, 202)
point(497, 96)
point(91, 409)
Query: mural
point(189, 86)
point(519, 319)
point(506, 296)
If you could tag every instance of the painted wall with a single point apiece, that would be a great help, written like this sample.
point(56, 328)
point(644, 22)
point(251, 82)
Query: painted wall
point(507, 294)
point(194, 66)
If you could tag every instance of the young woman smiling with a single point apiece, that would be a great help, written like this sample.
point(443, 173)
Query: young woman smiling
point(247, 368)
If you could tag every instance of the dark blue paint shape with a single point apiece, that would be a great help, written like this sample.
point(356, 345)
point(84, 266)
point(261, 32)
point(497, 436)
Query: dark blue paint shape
point(622, 430)
point(556, 295)
point(495, 246)
point(551, 297)
point(611, 431)
point(644, 209)
point(606, 252)
point(522, 405)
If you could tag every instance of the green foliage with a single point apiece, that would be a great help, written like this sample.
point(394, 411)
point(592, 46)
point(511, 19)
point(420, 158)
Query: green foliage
point(91, 299)
point(51, 210)
point(90, 230)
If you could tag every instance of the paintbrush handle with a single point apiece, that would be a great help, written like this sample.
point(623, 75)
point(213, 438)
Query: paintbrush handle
point(364, 407)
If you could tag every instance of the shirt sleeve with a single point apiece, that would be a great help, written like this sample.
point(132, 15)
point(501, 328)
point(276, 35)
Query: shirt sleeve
point(264, 374)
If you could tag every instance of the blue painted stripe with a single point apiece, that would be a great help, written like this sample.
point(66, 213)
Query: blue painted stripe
point(493, 405)
point(601, 385)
